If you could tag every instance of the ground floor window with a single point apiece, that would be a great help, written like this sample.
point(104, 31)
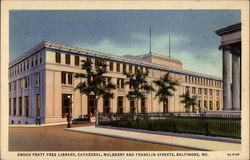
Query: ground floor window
point(20, 105)
point(210, 105)
point(143, 105)
point(218, 105)
point(66, 104)
point(132, 105)
point(38, 105)
point(14, 106)
point(91, 105)
point(106, 104)
point(26, 100)
point(120, 104)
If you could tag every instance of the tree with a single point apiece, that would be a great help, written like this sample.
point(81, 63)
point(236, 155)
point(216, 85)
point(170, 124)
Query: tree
point(95, 82)
point(166, 87)
point(139, 86)
point(189, 101)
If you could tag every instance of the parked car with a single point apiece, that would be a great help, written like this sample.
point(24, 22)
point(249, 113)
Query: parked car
point(81, 119)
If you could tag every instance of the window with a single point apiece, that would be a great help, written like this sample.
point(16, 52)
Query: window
point(58, 57)
point(187, 88)
point(217, 92)
point(218, 105)
point(32, 63)
point(40, 59)
point(136, 69)
point(20, 105)
point(210, 91)
point(210, 105)
point(14, 106)
point(76, 60)
point(199, 91)
point(36, 59)
point(118, 67)
point(69, 78)
point(186, 79)
point(205, 91)
point(130, 69)
point(193, 90)
point(14, 88)
point(9, 87)
point(9, 106)
point(124, 68)
point(26, 82)
point(20, 84)
point(37, 79)
point(118, 83)
point(106, 104)
point(199, 103)
point(111, 66)
point(24, 66)
point(205, 104)
point(122, 83)
point(26, 101)
point(132, 105)
point(67, 58)
point(28, 64)
point(63, 78)
point(143, 105)
point(119, 104)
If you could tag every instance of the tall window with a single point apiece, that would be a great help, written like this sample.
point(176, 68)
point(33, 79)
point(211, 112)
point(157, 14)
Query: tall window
point(37, 79)
point(58, 57)
point(205, 91)
point(111, 66)
point(120, 104)
point(205, 104)
point(40, 59)
point(106, 104)
point(36, 59)
point(69, 78)
point(210, 91)
point(130, 69)
point(194, 90)
point(20, 105)
point(26, 100)
point(38, 105)
point(76, 60)
point(122, 83)
point(14, 106)
point(217, 92)
point(124, 68)
point(9, 106)
point(67, 58)
point(118, 67)
point(132, 105)
point(210, 105)
point(26, 82)
point(143, 105)
point(118, 83)
point(28, 64)
point(218, 105)
point(187, 88)
point(63, 78)
point(199, 91)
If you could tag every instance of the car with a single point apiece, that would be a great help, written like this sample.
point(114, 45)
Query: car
point(81, 119)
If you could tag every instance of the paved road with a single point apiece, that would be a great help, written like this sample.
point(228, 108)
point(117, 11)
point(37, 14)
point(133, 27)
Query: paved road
point(55, 138)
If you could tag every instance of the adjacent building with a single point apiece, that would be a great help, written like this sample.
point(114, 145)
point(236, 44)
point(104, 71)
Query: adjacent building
point(41, 84)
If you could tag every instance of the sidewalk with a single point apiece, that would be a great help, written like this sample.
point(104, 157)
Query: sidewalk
point(34, 125)
point(187, 142)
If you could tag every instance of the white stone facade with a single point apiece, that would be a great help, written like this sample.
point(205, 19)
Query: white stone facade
point(39, 84)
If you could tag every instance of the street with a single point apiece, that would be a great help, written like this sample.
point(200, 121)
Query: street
point(55, 138)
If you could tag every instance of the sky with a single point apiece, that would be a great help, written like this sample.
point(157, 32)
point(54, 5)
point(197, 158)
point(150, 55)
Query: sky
point(126, 32)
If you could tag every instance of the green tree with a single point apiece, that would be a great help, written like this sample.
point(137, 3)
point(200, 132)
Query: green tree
point(166, 86)
point(93, 82)
point(189, 101)
point(139, 86)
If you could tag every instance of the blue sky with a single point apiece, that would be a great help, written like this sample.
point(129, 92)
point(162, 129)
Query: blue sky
point(122, 32)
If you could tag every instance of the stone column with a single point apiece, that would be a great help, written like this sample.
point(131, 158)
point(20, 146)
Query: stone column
point(236, 81)
point(227, 105)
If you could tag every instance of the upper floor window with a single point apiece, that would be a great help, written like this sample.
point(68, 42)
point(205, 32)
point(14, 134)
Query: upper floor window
point(32, 63)
point(36, 59)
point(69, 78)
point(76, 60)
point(193, 90)
point(217, 92)
point(40, 58)
point(58, 57)
point(63, 78)
point(199, 91)
point(111, 66)
point(124, 68)
point(26, 82)
point(130, 69)
point(67, 58)
point(205, 91)
point(210, 91)
point(118, 67)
